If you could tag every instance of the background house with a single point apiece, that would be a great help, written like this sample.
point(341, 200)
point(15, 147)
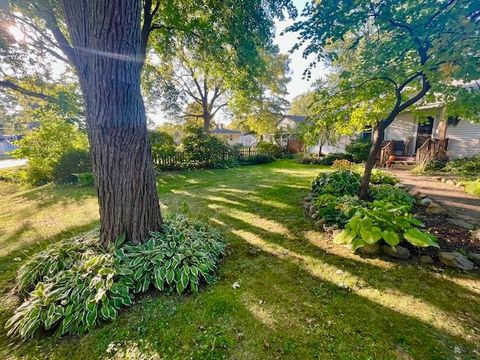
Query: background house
point(234, 137)
point(7, 143)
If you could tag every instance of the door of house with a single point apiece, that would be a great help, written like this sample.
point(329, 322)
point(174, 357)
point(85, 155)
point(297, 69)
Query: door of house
point(424, 131)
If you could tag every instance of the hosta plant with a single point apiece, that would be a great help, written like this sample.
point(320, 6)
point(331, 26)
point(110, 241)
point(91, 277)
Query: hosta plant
point(337, 209)
point(59, 256)
point(341, 182)
point(76, 289)
point(384, 221)
point(392, 194)
point(381, 177)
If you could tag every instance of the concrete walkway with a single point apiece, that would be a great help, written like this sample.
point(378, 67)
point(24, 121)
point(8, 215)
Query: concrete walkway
point(9, 163)
point(458, 204)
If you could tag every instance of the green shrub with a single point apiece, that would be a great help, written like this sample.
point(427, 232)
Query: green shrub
point(385, 221)
point(343, 165)
point(256, 159)
point(340, 183)
point(308, 158)
point(272, 149)
point(78, 283)
point(45, 146)
point(11, 175)
point(329, 159)
point(161, 143)
point(358, 150)
point(72, 162)
point(472, 187)
point(466, 166)
point(85, 179)
point(434, 166)
point(380, 177)
point(205, 151)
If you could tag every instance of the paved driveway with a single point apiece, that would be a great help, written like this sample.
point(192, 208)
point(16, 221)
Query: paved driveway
point(8, 163)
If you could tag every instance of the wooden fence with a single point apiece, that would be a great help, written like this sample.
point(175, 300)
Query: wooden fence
point(178, 160)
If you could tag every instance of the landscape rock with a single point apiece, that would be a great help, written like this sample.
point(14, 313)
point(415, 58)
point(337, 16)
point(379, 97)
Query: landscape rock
point(426, 260)
point(475, 257)
point(422, 196)
point(315, 215)
point(319, 223)
point(336, 232)
point(414, 192)
point(449, 182)
point(476, 235)
point(369, 249)
point(425, 201)
point(434, 208)
point(456, 260)
point(460, 223)
point(398, 252)
point(312, 209)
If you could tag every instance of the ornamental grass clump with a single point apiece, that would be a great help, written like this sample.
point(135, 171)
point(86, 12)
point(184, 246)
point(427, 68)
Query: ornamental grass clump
point(76, 284)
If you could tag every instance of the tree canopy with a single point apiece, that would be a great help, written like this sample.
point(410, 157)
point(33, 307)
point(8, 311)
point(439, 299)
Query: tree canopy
point(389, 56)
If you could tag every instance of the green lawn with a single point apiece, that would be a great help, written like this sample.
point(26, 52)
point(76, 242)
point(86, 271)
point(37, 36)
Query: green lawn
point(300, 297)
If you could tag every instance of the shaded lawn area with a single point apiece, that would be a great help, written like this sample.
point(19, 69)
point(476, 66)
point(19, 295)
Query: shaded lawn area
point(300, 297)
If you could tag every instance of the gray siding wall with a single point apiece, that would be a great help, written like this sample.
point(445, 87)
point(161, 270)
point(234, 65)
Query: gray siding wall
point(404, 126)
point(464, 139)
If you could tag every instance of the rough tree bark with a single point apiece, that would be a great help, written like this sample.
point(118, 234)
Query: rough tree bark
point(107, 55)
point(372, 158)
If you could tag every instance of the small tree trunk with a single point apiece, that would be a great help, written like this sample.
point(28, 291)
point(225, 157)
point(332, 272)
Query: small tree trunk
point(372, 157)
point(106, 39)
point(206, 123)
point(320, 146)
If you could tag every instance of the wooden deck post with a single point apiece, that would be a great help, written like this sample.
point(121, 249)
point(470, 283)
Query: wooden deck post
point(442, 134)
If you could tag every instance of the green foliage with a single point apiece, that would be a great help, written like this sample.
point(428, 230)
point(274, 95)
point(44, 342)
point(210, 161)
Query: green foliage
point(464, 166)
point(337, 209)
point(380, 177)
point(391, 194)
point(185, 253)
point(161, 143)
point(339, 183)
point(70, 163)
point(343, 165)
point(57, 257)
point(77, 284)
point(205, 151)
point(85, 179)
point(382, 220)
point(272, 149)
point(11, 175)
point(256, 159)
point(45, 146)
point(472, 187)
point(308, 158)
point(358, 149)
point(329, 159)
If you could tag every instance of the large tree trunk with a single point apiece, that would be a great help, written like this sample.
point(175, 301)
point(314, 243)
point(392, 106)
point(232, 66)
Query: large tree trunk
point(372, 158)
point(107, 47)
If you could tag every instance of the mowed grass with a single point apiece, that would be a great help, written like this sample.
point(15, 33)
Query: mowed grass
point(300, 296)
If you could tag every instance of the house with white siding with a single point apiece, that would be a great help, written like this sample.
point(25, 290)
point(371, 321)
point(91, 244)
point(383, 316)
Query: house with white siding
point(410, 131)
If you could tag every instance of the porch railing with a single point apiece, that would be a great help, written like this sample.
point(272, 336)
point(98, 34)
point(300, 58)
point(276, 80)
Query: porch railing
point(386, 151)
point(432, 149)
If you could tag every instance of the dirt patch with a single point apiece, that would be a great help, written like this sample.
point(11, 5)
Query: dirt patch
point(450, 236)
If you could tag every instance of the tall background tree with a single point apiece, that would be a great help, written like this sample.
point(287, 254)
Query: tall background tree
point(108, 57)
point(388, 56)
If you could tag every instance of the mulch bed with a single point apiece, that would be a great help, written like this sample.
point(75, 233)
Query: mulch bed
point(450, 236)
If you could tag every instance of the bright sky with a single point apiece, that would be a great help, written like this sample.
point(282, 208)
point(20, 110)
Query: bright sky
point(298, 64)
